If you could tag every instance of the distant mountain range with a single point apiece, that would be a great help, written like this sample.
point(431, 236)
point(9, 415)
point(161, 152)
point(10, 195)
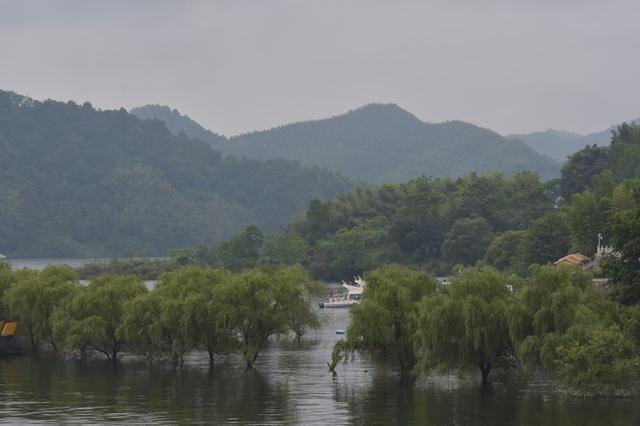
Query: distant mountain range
point(377, 143)
point(559, 144)
point(80, 182)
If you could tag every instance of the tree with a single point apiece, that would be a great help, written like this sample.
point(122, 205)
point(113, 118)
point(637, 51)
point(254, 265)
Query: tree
point(258, 305)
point(507, 252)
point(384, 324)
point(467, 241)
point(7, 278)
point(465, 324)
point(202, 306)
point(243, 250)
point(543, 311)
point(284, 251)
point(623, 267)
point(93, 318)
point(587, 218)
point(580, 168)
point(605, 358)
point(548, 239)
point(33, 298)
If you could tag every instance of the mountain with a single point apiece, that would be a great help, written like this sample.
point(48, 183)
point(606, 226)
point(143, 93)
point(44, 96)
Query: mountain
point(177, 122)
point(559, 144)
point(381, 143)
point(76, 181)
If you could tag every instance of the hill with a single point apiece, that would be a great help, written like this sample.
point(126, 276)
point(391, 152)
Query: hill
point(76, 181)
point(559, 144)
point(383, 143)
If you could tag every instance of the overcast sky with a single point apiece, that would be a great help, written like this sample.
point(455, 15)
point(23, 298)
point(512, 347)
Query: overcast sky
point(235, 66)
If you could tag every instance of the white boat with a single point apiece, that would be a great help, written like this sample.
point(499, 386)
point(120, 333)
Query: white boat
point(352, 297)
point(2, 256)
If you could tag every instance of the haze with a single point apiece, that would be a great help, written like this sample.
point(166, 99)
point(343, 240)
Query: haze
point(238, 66)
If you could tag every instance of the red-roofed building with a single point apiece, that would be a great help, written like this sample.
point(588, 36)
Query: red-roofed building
point(575, 259)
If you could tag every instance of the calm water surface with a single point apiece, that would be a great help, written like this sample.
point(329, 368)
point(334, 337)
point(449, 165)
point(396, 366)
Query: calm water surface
point(290, 385)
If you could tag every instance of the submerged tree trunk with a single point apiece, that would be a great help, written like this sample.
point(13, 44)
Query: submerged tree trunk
point(485, 368)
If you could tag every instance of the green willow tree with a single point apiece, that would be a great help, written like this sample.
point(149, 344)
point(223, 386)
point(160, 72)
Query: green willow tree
point(260, 304)
point(7, 278)
point(465, 324)
point(33, 298)
point(93, 319)
point(384, 324)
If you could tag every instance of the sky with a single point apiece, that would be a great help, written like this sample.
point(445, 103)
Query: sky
point(237, 66)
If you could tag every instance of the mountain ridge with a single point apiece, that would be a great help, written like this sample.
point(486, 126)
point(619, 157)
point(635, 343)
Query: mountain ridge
point(383, 143)
point(76, 181)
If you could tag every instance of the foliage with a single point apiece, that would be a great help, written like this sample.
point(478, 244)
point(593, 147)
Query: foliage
point(605, 358)
point(260, 304)
point(465, 324)
point(242, 251)
point(81, 182)
point(581, 167)
point(7, 278)
point(93, 318)
point(467, 241)
point(621, 158)
point(384, 324)
point(623, 266)
point(414, 223)
point(33, 297)
point(377, 144)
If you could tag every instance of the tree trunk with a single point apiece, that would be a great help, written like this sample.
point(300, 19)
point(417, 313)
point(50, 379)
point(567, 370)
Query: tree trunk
point(211, 359)
point(485, 369)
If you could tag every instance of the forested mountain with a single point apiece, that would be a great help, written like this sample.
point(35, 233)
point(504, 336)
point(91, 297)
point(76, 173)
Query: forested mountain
point(379, 143)
point(76, 181)
point(559, 144)
point(177, 123)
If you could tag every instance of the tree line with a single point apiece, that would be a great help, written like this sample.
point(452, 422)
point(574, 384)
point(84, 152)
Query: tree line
point(440, 223)
point(209, 309)
point(555, 321)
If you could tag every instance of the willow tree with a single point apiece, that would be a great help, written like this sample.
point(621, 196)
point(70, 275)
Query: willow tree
point(465, 324)
point(384, 324)
point(92, 319)
point(33, 298)
point(296, 287)
point(7, 278)
point(203, 321)
point(259, 304)
point(543, 311)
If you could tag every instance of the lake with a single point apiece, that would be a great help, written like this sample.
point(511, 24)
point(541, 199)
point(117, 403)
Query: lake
point(290, 385)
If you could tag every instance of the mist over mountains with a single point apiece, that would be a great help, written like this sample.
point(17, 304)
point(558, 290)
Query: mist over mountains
point(378, 143)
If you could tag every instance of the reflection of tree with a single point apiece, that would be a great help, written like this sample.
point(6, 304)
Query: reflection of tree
point(60, 391)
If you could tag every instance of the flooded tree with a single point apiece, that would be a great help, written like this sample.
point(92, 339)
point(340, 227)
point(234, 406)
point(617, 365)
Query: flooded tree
point(465, 324)
point(260, 304)
point(34, 296)
point(384, 324)
point(92, 319)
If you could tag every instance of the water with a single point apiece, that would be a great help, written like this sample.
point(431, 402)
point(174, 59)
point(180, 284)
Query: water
point(291, 385)
point(40, 264)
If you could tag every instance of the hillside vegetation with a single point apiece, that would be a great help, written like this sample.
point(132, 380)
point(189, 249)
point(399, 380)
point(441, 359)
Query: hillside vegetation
point(559, 144)
point(378, 143)
point(76, 181)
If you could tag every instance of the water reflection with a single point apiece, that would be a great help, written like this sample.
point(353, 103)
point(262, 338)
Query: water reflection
point(291, 385)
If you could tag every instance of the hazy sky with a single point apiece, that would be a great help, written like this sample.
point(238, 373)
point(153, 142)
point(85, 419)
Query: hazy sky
point(234, 66)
